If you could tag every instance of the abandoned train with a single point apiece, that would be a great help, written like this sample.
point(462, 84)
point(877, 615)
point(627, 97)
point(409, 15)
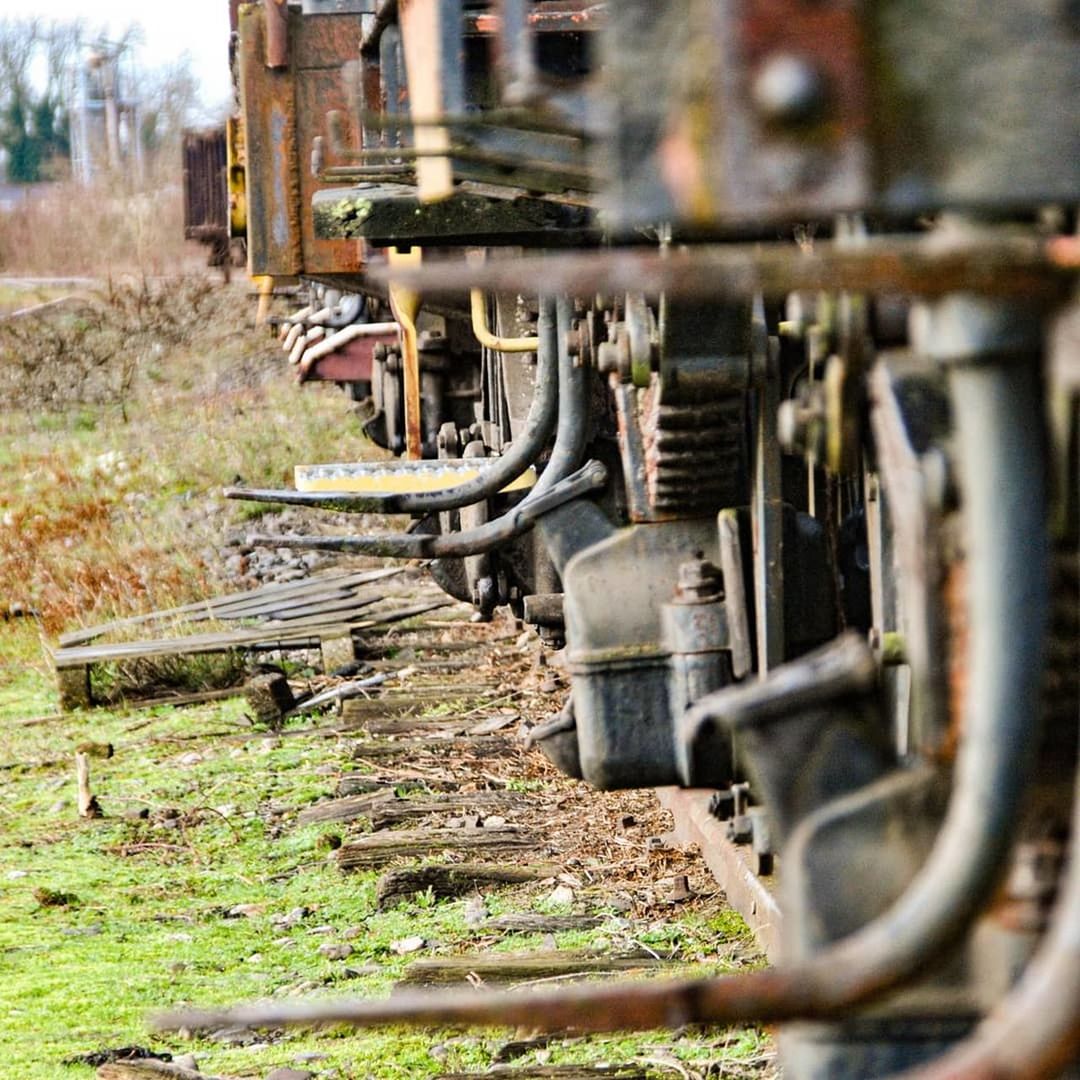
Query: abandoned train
point(736, 345)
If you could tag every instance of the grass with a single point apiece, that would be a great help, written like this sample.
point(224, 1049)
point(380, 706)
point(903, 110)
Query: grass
point(112, 486)
point(69, 230)
point(151, 918)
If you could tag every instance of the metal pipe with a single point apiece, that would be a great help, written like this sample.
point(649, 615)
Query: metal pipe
point(304, 342)
point(999, 434)
point(569, 447)
point(1034, 1033)
point(342, 337)
point(384, 17)
point(590, 477)
point(292, 333)
point(487, 338)
point(298, 317)
point(523, 452)
point(277, 33)
point(991, 264)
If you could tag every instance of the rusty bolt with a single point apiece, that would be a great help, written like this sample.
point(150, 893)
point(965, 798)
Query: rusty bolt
point(788, 90)
point(577, 343)
point(699, 580)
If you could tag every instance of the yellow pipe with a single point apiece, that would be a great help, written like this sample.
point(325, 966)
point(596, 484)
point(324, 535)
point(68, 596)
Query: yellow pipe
point(405, 304)
point(487, 338)
point(266, 295)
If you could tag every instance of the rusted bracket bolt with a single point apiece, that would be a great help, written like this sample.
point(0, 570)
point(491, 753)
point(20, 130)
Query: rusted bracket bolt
point(740, 829)
point(431, 341)
point(699, 582)
point(577, 343)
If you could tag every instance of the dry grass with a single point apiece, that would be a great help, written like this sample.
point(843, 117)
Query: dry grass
point(91, 350)
point(71, 231)
point(117, 432)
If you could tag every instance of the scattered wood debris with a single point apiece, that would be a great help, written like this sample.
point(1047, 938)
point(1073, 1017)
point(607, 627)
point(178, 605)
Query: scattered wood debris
point(448, 880)
point(520, 967)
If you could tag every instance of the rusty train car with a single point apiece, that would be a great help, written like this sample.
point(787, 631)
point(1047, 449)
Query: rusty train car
point(735, 344)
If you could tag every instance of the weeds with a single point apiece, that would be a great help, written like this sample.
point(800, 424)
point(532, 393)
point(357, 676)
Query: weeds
point(111, 684)
point(92, 351)
point(70, 229)
point(120, 423)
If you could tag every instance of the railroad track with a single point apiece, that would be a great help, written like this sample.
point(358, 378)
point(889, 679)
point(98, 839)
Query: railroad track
point(439, 794)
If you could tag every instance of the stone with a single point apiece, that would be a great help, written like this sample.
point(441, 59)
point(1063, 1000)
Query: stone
point(404, 946)
point(336, 952)
point(237, 565)
point(562, 894)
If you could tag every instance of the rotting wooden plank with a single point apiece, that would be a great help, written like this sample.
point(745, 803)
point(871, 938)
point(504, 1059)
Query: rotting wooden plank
point(420, 642)
point(346, 809)
point(447, 880)
point(529, 923)
point(392, 813)
point(410, 748)
point(357, 709)
point(181, 646)
point(365, 784)
point(148, 1069)
point(264, 637)
point(290, 606)
point(384, 803)
point(515, 967)
point(401, 725)
point(379, 848)
point(213, 604)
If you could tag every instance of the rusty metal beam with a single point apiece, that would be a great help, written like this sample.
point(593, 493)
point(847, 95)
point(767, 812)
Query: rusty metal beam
point(1004, 265)
point(273, 193)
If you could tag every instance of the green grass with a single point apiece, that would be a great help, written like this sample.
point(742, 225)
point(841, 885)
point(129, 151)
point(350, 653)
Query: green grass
point(149, 923)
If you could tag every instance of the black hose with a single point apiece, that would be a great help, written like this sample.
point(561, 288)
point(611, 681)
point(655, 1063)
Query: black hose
point(572, 431)
point(590, 477)
point(523, 452)
point(570, 435)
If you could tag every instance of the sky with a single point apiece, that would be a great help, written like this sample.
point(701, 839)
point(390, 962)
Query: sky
point(199, 28)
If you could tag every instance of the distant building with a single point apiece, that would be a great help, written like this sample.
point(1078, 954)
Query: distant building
point(104, 117)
